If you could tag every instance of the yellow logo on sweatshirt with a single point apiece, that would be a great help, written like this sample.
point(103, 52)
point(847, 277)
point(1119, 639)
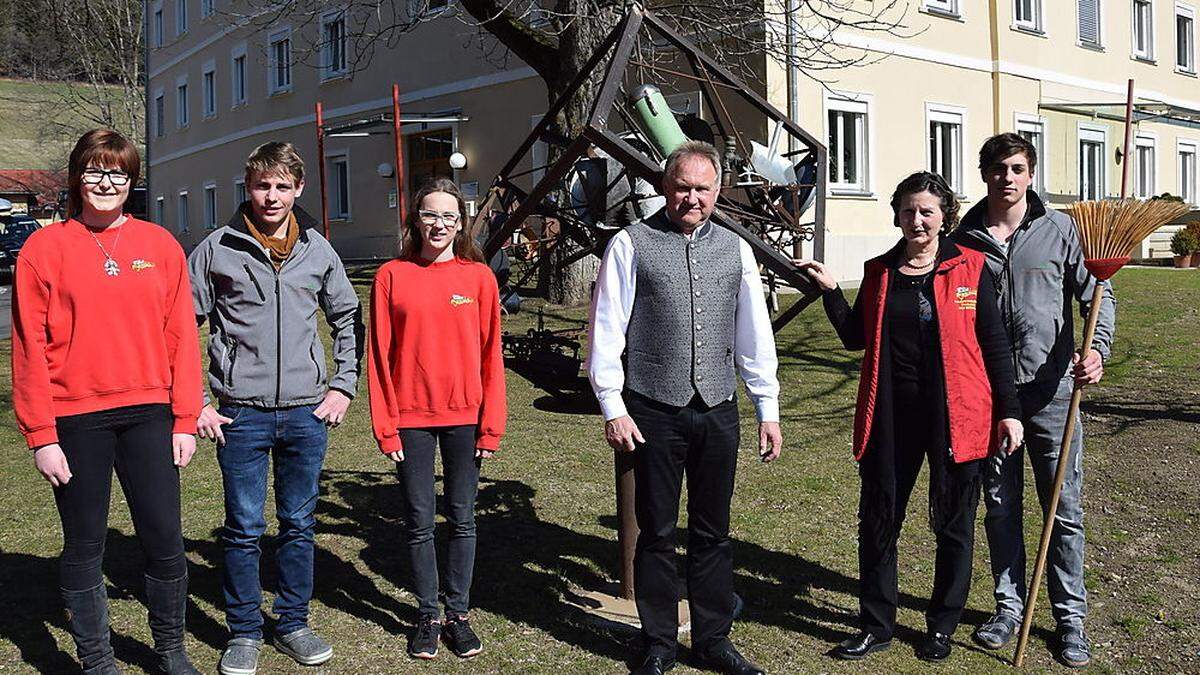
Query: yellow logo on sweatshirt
point(457, 300)
point(139, 265)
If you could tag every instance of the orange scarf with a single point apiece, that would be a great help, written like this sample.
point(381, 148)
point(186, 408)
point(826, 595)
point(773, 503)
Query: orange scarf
point(279, 249)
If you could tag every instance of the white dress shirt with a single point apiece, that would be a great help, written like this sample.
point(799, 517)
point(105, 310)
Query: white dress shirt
point(616, 286)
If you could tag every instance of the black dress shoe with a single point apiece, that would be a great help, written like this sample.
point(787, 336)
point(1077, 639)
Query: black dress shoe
point(935, 647)
point(859, 647)
point(655, 664)
point(726, 659)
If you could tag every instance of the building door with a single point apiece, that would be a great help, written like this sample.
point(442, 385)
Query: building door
point(429, 157)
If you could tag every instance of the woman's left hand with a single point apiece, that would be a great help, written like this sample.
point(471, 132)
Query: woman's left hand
point(1011, 435)
point(183, 446)
point(480, 453)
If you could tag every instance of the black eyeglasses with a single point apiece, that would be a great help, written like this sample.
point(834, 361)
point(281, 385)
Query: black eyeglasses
point(115, 176)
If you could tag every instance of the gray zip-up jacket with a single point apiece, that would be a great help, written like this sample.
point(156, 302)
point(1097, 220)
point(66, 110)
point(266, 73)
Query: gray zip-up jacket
point(1036, 280)
point(263, 346)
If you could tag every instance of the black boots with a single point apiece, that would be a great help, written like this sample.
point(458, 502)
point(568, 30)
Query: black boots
point(87, 619)
point(167, 602)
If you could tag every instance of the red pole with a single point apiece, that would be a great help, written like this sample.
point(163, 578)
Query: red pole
point(399, 142)
point(321, 168)
point(1128, 129)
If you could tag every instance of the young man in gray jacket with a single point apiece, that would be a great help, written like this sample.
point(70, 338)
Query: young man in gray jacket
point(1036, 260)
point(259, 282)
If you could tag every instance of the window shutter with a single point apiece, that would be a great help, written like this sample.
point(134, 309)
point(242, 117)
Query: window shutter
point(1089, 21)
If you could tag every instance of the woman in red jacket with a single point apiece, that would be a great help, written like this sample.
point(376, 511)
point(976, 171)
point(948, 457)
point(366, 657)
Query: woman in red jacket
point(937, 381)
point(437, 380)
point(106, 374)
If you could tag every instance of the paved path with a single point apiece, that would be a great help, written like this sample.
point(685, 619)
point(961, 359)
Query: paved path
point(5, 312)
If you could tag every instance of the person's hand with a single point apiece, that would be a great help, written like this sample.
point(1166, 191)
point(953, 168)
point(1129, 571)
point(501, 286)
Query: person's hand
point(816, 271)
point(481, 453)
point(183, 446)
point(208, 425)
point(397, 456)
point(1011, 434)
point(621, 433)
point(333, 409)
point(52, 464)
point(1090, 370)
point(770, 441)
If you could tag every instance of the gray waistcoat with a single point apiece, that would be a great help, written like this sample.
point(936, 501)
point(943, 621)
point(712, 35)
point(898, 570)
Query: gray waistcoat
point(680, 336)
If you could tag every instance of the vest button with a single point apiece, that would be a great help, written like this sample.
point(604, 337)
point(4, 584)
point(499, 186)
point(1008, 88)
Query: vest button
point(695, 277)
point(699, 310)
point(697, 326)
point(699, 343)
point(697, 360)
point(697, 294)
point(699, 377)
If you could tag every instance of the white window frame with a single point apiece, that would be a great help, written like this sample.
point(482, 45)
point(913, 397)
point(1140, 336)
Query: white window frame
point(861, 104)
point(159, 120)
point(951, 114)
point(181, 211)
point(1099, 43)
point(1040, 125)
point(1034, 25)
point(181, 17)
point(207, 8)
point(210, 205)
point(1146, 54)
point(1187, 191)
point(239, 190)
point(330, 70)
point(1145, 141)
point(208, 89)
point(1093, 134)
point(274, 37)
point(332, 158)
point(182, 103)
point(1189, 12)
point(943, 7)
point(238, 98)
point(157, 25)
point(160, 210)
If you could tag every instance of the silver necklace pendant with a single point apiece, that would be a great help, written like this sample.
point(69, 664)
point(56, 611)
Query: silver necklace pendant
point(111, 268)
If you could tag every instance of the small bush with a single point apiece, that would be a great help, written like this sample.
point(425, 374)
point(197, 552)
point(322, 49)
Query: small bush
point(1184, 242)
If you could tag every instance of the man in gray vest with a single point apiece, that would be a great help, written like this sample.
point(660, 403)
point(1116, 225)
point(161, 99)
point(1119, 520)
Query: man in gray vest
point(678, 304)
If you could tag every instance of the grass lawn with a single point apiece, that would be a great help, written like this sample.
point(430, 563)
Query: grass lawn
point(546, 525)
point(25, 105)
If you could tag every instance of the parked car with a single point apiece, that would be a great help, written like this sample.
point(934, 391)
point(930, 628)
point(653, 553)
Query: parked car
point(16, 230)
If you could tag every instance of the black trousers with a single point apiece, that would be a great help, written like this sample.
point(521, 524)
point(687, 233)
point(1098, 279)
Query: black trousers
point(136, 440)
point(955, 537)
point(702, 443)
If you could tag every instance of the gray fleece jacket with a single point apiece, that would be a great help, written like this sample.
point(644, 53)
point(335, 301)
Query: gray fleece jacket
point(263, 348)
point(1037, 278)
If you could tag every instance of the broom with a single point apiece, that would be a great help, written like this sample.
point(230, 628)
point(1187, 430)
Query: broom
point(1108, 231)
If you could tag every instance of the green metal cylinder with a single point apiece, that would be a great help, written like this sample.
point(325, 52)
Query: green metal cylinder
point(656, 118)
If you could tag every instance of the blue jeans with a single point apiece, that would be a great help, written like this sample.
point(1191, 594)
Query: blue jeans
point(1044, 412)
point(295, 440)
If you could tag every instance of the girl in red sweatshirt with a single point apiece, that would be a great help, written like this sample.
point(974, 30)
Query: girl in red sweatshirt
point(106, 373)
point(437, 380)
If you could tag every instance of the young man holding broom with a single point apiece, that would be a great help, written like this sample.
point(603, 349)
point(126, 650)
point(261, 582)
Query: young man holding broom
point(1036, 260)
point(259, 282)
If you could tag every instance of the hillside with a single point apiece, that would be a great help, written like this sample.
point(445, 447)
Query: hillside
point(24, 108)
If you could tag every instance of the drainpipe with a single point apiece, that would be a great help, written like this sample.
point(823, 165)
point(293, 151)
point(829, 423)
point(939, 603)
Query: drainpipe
point(994, 30)
point(792, 33)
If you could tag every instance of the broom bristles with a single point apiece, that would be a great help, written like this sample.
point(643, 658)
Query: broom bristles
point(1110, 228)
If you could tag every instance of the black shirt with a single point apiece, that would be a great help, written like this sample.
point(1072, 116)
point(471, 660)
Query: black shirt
point(912, 329)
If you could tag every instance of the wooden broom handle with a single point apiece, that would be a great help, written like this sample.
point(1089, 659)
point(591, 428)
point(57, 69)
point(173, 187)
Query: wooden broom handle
point(1060, 474)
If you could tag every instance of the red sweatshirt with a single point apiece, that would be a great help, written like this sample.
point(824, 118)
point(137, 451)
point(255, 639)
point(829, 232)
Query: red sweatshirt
point(434, 355)
point(84, 341)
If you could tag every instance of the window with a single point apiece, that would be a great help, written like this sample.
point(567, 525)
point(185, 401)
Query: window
point(1089, 23)
point(428, 156)
point(1185, 39)
point(333, 44)
point(182, 211)
point(181, 18)
point(160, 114)
point(207, 8)
point(1033, 129)
point(1143, 29)
point(237, 75)
point(1092, 143)
point(1144, 155)
point(160, 210)
point(239, 190)
point(279, 52)
point(159, 38)
point(1027, 15)
point(942, 6)
point(210, 205)
point(181, 103)
point(945, 126)
point(339, 186)
point(210, 89)
point(848, 144)
point(1187, 172)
